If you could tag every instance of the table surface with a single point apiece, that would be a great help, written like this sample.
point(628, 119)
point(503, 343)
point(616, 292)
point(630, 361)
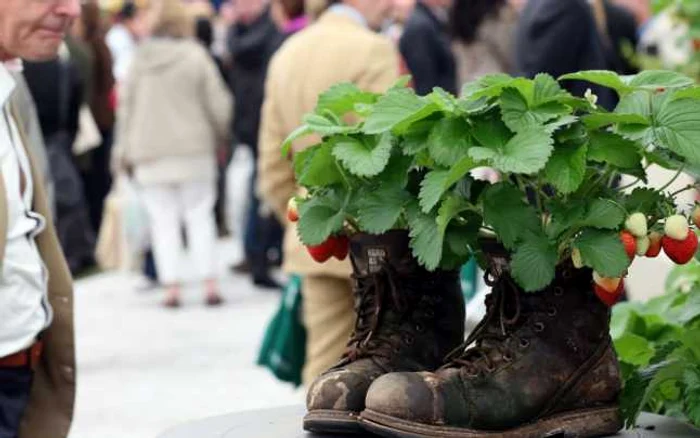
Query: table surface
point(286, 423)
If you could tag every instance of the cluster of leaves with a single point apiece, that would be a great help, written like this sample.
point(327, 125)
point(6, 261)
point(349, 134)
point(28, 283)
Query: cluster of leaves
point(398, 160)
point(657, 344)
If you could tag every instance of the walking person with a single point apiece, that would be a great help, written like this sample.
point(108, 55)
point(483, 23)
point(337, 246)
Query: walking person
point(174, 110)
point(292, 90)
point(37, 350)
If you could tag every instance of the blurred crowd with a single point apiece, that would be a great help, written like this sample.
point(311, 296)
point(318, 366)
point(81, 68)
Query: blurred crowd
point(152, 99)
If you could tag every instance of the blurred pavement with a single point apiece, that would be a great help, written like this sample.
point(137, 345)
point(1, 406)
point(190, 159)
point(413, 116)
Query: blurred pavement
point(143, 369)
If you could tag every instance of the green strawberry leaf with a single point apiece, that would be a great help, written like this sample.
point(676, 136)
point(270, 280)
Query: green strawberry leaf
point(341, 99)
point(657, 79)
point(547, 89)
point(438, 181)
point(677, 127)
point(643, 199)
point(324, 126)
point(426, 242)
point(566, 168)
point(395, 174)
point(449, 141)
point(361, 157)
point(450, 208)
point(599, 120)
point(316, 167)
point(302, 131)
point(398, 108)
point(635, 349)
point(603, 251)
point(601, 77)
point(319, 218)
point(506, 211)
point(518, 115)
point(432, 188)
point(487, 86)
point(604, 214)
point(527, 152)
point(610, 148)
point(534, 263)
point(380, 209)
point(691, 393)
point(491, 132)
point(444, 100)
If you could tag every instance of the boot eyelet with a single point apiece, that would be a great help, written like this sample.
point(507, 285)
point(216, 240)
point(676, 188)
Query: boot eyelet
point(490, 368)
point(566, 274)
point(552, 312)
point(539, 327)
point(508, 358)
point(558, 291)
point(408, 340)
point(429, 313)
point(524, 343)
point(420, 328)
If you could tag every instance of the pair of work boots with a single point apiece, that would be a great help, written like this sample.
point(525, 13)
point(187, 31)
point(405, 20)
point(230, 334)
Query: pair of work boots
point(537, 365)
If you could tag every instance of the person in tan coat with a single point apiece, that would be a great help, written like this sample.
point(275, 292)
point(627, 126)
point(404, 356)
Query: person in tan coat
point(174, 110)
point(37, 350)
point(340, 47)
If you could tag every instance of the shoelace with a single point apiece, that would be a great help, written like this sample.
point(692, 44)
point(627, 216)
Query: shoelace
point(489, 335)
point(375, 292)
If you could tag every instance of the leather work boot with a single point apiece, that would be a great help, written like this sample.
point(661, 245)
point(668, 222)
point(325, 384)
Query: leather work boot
point(537, 365)
point(408, 319)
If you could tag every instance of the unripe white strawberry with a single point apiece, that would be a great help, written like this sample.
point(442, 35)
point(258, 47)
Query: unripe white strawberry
point(607, 283)
point(696, 216)
point(643, 245)
point(637, 224)
point(676, 227)
point(576, 258)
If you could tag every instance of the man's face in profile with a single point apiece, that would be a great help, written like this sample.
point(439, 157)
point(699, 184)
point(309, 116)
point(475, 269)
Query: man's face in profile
point(34, 29)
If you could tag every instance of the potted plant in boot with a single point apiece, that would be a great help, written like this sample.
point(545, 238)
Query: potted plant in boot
point(555, 237)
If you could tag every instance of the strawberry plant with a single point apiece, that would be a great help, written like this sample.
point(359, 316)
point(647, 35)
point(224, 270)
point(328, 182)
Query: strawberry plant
point(400, 161)
point(657, 344)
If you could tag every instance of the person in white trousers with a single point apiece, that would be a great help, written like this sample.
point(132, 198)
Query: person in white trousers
point(174, 109)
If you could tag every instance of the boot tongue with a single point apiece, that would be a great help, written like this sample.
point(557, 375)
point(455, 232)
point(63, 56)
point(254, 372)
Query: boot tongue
point(369, 252)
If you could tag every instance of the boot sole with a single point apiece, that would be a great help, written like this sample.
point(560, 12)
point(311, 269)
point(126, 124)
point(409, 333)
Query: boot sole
point(333, 422)
point(576, 424)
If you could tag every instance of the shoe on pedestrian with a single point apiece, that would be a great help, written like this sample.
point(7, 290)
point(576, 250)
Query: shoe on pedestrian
point(266, 282)
point(538, 364)
point(408, 319)
point(172, 298)
point(241, 268)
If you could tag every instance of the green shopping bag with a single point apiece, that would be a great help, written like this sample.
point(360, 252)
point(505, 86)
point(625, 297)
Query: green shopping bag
point(468, 280)
point(283, 348)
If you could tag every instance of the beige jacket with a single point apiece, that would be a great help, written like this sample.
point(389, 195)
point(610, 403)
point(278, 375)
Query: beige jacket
point(50, 409)
point(334, 49)
point(174, 110)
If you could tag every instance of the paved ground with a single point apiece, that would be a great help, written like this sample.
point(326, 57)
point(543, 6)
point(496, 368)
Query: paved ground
point(143, 369)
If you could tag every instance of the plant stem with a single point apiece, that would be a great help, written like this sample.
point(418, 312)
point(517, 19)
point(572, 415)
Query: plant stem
point(685, 189)
point(632, 184)
point(675, 177)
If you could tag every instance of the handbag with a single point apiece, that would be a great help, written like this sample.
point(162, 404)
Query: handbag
point(283, 349)
point(88, 137)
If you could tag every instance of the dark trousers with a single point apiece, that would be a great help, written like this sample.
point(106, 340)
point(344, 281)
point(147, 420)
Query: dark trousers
point(261, 234)
point(15, 384)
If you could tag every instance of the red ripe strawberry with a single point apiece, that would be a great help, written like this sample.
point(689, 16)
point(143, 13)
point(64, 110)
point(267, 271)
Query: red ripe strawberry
point(630, 243)
point(681, 251)
point(292, 211)
point(341, 247)
point(321, 253)
point(654, 244)
point(610, 298)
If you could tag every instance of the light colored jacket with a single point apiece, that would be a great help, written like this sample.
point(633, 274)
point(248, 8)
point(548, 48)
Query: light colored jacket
point(174, 109)
point(334, 49)
point(50, 408)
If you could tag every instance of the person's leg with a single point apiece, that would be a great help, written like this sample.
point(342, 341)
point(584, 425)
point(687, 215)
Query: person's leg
point(162, 204)
point(198, 199)
point(329, 318)
point(15, 385)
point(256, 242)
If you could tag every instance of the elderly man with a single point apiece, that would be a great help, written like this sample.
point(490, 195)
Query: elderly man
point(37, 359)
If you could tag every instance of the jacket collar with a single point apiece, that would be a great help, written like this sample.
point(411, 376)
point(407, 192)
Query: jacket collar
point(350, 12)
point(7, 83)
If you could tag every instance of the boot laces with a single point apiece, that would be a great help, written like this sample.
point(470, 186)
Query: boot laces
point(504, 312)
point(378, 294)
